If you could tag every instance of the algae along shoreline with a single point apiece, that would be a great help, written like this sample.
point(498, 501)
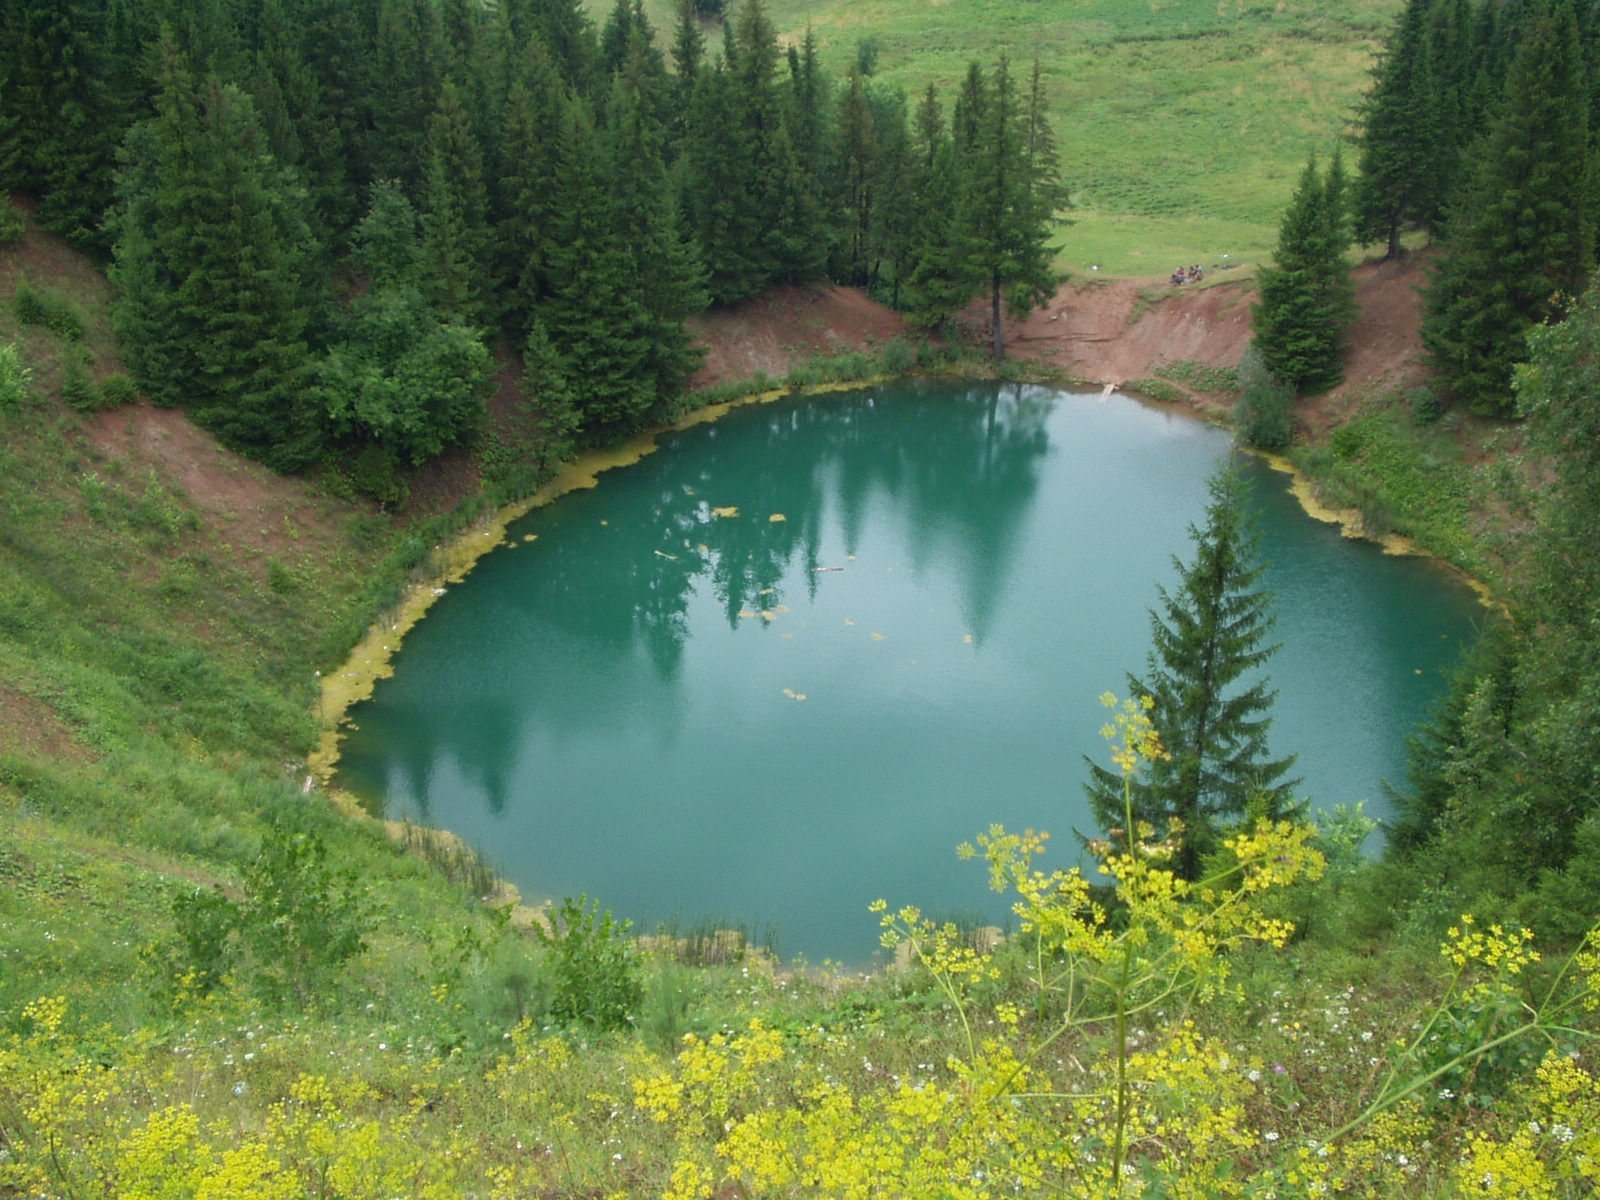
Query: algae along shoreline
point(1352, 524)
point(372, 658)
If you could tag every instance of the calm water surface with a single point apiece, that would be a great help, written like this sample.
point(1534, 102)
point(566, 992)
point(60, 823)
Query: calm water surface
point(784, 664)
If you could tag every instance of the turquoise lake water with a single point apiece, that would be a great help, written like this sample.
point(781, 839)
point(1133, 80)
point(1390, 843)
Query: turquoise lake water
point(773, 721)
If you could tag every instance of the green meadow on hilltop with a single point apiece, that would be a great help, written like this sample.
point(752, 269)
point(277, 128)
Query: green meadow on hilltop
point(1182, 125)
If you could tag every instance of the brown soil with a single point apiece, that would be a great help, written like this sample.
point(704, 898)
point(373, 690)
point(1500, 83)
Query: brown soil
point(1118, 331)
point(242, 505)
point(786, 326)
point(31, 727)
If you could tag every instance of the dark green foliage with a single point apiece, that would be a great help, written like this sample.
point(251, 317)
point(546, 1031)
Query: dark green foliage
point(1399, 135)
point(402, 378)
point(213, 261)
point(12, 223)
point(455, 214)
point(1211, 704)
point(409, 59)
point(855, 152)
point(596, 316)
point(1307, 296)
point(77, 385)
point(1263, 416)
point(526, 195)
point(46, 310)
point(1522, 238)
point(596, 975)
point(1008, 196)
point(59, 129)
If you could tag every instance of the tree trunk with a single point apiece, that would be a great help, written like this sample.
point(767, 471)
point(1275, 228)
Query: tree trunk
point(994, 318)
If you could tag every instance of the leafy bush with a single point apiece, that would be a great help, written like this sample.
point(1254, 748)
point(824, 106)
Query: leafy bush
point(899, 356)
point(592, 958)
point(47, 310)
point(298, 922)
point(1264, 412)
point(15, 378)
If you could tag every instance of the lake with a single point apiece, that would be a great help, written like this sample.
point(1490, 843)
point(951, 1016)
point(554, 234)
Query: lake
point(785, 663)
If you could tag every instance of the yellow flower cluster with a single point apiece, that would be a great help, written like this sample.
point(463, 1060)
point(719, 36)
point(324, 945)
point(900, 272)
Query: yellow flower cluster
point(1511, 1170)
point(1501, 952)
point(1132, 736)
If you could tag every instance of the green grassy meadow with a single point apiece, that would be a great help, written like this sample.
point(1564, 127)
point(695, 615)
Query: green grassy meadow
point(1182, 125)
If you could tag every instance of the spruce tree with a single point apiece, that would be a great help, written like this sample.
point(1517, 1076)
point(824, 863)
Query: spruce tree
point(524, 214)
point(1307, 298)
point(1522, 240)
point(455, 222)
point(595, 317)
point(855, 153)
point(62, 132)
point(1004, 223)
point(408, 72)
point(715, 182)
point(1398, 136)
point(213, 260)
point(1211, 706)
point(940, 281)
point(668, 277)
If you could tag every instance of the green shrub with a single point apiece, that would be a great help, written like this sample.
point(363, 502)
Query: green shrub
point(596, 976)
point(1264, 413)
point(15, 378)
point(298, 922)
point(12, 225)
point(899, 356)
point(77, 387)
point(117, 390)
point(47, 310)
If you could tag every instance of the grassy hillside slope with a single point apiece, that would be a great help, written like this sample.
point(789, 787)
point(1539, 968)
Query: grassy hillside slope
point(1194, 162)
point(214, 984)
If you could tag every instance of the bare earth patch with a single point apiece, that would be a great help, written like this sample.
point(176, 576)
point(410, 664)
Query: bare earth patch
point(1116, 331)
point(240, 503)
point(787, 326)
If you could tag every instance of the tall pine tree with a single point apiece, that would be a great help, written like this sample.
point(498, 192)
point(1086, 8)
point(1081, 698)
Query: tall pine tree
point(1211, 706)
point(213, 260)
point(1522, 241)
point(1307, 296)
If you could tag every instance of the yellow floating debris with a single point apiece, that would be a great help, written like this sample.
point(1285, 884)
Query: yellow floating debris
point(850, 558)
point(878, 637)
point(782, 608)
point(776, 517)
point(530, 537)
point(966, 638)
point(799, 695)
point(848, 621)
point(727, 510)
point(789, 692)
point(745, 614)
point(767, 614)
point(702, 548)
point(766, 591)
